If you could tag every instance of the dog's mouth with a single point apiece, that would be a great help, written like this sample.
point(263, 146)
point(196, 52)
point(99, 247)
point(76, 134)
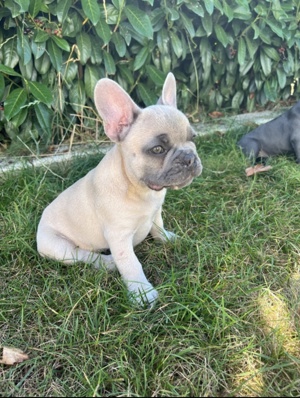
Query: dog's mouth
point(156, 187)
point(178, 176)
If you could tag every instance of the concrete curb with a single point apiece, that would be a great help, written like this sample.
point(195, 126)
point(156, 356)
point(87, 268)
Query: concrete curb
point(64, 154)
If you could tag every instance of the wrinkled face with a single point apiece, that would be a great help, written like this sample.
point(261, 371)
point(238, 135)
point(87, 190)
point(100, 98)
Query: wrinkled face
point(160, 152)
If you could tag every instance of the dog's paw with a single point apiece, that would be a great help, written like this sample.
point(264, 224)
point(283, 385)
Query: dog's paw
point(105, 261)
point(142, 294)
point(170, 236)
point(164, 236)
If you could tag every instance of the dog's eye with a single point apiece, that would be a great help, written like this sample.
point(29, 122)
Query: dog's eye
point(158, 150)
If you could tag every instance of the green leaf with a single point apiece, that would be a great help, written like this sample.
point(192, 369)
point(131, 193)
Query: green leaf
point(246, 67)
point(187, 23)
point(241, 53)
point(207, 24)
point(124, 31)
point(62, 9)
point(92, 10)
point(148, 97)
point(44, 117)
point(14, 102)
point(242, 12)
point(69, 71)
point(139, 21)
point(176, 44)
point(275, 27)
point(38, 49)
point(13, 7)
point(72, 24)
point(55, 54)
point(126, 73)
point(266, 64)
point(140, 58)
point(252, 46)
point(24, 5)
point(209, 5)
point(206, 57)
point(96, 54)
point(157, 76)
point(173, 14)
point(111, 14)
point(163, 40)
point(196, 8)
point(40, 92)
point(119, 43)
point(85, 48)
point(77, 96)
point(265, 36)
point(228, 11)
point(237, 99)
point(91, 76)
point(103, 31)
point(9, 71)
point(221, 35)
point(23, 47)
point(42, 64)
point(61, 43)
point(281, 76)
point(2, 85)
point(165, 62)
point(20, 117)
point(278, 11)
point(109, 63)
point(9, 52)
point(289, 63)
point(41, 36)
point(271, 53)
point(270, 89)
point(35, 7)
point(27, 71)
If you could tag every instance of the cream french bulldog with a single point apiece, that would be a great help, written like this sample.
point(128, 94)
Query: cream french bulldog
point(118, 203)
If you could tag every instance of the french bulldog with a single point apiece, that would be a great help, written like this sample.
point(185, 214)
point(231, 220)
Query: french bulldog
point(278, 136)
point(119, 202)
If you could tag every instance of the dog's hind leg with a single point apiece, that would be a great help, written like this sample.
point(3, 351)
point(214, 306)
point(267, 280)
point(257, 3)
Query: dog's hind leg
point(53, 245)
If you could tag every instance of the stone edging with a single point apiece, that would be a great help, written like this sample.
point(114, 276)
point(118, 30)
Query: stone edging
point(220, 125)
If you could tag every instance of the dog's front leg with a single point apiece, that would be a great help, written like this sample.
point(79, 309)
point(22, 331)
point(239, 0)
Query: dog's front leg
point(158, 231)
point(140, 289)
point(296, 147)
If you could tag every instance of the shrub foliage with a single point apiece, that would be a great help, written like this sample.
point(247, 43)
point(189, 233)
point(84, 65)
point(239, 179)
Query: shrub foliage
point(225, 54)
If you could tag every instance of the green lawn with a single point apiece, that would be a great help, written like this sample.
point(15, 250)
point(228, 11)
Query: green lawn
point(228, 317)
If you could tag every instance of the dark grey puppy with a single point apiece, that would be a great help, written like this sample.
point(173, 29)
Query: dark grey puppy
point(278, 136)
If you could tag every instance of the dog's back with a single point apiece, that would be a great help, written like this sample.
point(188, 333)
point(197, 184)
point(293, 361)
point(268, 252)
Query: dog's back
point(278, 136)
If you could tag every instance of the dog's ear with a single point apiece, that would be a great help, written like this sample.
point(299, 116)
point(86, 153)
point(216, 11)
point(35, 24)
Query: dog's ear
point(116, 108)
point(168, 96)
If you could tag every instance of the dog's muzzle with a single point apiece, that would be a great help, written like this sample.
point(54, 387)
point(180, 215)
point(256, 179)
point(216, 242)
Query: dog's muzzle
point(180, 171)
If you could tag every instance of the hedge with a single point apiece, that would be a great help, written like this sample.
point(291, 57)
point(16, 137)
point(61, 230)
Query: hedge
point(225, 54)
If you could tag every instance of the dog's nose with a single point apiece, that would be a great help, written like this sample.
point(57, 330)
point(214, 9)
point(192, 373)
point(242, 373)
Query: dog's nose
point(188, 159)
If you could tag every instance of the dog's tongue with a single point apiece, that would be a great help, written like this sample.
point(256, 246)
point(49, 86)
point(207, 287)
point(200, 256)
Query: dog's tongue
point(156, 187)
point(159, 187)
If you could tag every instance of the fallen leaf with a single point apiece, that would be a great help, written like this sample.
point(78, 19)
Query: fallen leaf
point(258, 168)
point(10, 356)
point(215, 114)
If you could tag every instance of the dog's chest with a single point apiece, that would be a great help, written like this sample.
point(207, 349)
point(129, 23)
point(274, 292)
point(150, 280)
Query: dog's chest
point(144, 221)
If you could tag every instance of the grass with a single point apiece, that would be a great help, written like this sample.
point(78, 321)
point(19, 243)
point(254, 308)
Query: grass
point(228, 318)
